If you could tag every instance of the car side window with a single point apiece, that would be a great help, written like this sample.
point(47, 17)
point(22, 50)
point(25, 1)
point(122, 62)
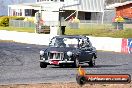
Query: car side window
point(85, 44)
point(88, 44)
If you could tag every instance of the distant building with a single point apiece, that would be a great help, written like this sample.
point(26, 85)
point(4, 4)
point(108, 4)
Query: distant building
point(87, 9)
point(4, 5)
point(122, 9)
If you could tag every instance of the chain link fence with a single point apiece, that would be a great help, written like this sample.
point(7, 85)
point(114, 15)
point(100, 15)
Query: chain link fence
point(83, 24)
point(21, 24)
point(89, 24)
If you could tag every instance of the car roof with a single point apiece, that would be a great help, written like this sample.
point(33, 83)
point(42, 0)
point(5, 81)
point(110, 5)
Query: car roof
point(70, 36)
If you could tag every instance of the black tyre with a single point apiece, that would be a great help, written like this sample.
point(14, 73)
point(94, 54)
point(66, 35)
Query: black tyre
point(43, 65)
point(92, 62)
point(80, 80)
point(76, 63)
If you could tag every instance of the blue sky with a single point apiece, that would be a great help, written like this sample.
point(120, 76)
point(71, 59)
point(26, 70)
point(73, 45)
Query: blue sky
point(5, 3)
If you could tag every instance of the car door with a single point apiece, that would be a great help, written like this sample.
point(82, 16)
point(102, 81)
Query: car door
point(89, 54)
point(83, 54)
point(87, 51)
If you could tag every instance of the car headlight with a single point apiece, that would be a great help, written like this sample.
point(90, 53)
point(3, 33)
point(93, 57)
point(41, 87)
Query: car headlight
point(41, 52)
point(69, 53)
point(42, 58)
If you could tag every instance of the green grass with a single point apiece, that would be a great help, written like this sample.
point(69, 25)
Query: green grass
point(89, 30)
point(100, 31)
point(126, 33)
point(30, 30)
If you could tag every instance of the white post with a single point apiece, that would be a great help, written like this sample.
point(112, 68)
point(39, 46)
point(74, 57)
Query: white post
point(8, 11)
point(77, 14)
point(102, 17)
point(53, 31)
point(23, 12)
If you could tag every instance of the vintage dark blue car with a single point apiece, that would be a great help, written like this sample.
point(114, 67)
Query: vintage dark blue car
point(68, 50)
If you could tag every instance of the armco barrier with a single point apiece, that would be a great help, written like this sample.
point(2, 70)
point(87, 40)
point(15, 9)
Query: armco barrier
point(126, 46)
point(24, 37)
point(106, 43)
point(101, 43)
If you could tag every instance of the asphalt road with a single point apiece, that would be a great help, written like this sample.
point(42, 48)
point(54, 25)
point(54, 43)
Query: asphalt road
point(19, 64)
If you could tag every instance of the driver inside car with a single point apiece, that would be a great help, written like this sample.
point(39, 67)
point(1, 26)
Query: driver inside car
point(81, 43)
point(60, 43)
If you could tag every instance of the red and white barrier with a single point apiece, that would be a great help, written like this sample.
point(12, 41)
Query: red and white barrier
point(126, 46)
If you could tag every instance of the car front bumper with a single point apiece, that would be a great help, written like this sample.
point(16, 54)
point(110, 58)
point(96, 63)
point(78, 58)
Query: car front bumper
point(56, 62)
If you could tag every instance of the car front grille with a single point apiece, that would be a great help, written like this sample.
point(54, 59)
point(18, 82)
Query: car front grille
point(56, 55)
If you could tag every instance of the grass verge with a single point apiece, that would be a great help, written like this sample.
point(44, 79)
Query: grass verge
point(90, 30)
point(100, 30)
point(30, 30)
point(126, 33)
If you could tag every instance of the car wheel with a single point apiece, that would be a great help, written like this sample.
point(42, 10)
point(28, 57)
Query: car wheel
point(81, 80)
point(76, 63)
point(92, 62)
point(43, 65)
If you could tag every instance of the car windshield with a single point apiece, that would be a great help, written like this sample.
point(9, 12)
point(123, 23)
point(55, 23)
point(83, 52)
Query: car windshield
point(64, 42)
